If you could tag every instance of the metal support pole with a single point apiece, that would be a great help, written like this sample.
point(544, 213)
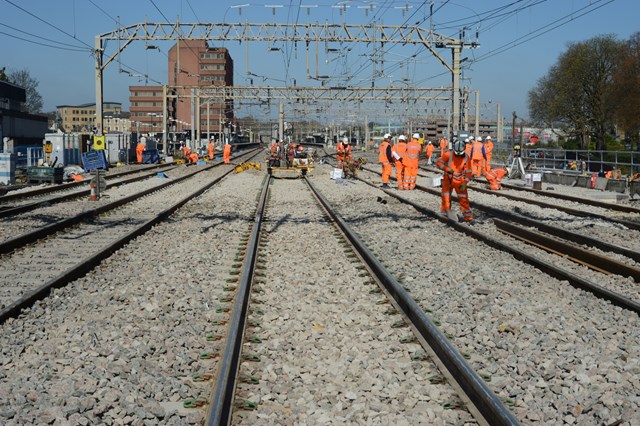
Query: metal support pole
point(498, 124)
point(281, 122)
point(477, 125)
point(196, 137)
point(455, 84)
point(164, 119)
point(99, 95)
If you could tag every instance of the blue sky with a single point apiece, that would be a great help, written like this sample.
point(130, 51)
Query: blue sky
point(518, 43)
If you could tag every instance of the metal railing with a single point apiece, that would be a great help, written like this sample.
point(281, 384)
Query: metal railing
point(594, 161)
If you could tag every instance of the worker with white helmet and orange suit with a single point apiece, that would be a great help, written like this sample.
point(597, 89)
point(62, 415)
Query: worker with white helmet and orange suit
point(457, 171)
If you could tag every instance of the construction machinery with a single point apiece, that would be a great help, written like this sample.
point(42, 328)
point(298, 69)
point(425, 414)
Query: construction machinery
point(288, 160)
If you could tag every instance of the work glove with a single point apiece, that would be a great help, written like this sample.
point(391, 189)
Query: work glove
point(449, 171)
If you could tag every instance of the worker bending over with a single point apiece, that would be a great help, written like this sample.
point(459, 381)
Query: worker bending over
point(400, 148)
point(457, 172)
point(494, 176)
point(410, 162)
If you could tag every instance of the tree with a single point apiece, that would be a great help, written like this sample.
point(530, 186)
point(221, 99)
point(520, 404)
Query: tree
point(3, 74)
point(577, 93)
point(23, 79)
point(626, 81)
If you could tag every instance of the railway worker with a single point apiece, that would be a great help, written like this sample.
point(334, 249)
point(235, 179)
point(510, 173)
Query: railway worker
point(457, 171)
point(193, 157)
point(385, 157)
point(140, 147)
point(488, 150)
point(444, 146)
point(340, 152)
point(400, 148)
point(467, 146)
point(494, 176)
point(410, 162)
point(348, 154)
point(478, 157)
point(226, 153)
point(211, 149)
point(185, 152)
point(429, 151)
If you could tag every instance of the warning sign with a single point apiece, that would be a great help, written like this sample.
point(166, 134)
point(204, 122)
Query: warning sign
point(98, 143)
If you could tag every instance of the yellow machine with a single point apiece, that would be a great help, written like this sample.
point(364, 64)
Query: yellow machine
point(288, 161)
point(350, 168)
point(247, 166)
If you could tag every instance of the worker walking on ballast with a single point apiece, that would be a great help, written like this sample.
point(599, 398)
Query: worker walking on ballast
point(410, 162)
point(457, 171)
point(400, 149)
point(226, 153)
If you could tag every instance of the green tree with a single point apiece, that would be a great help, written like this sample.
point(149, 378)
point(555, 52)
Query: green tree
point(3, 74)
point(23, 79)
point(576, 96)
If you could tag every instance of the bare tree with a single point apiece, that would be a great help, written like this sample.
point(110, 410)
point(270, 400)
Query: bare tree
point(23, 79)
point(3, 74)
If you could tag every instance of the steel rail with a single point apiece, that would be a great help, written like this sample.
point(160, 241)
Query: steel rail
point(87, 264)
point(628, 223)
point(600, 263)
point(595, 203)
point(220, 407)
point(546, 267)
point(37, 234)
point(486, 403)
point(62, 198)
point(63, 186)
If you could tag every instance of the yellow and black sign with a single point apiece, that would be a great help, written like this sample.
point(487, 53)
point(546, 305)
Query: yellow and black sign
point(48, 147)
point(98, 143)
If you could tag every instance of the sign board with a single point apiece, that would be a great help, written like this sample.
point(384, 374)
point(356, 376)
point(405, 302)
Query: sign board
point(98, 143)
point(93, 160)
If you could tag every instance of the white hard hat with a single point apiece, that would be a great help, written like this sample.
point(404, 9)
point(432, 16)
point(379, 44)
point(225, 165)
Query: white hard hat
point(402, 138)
point(478, 138)
point(458, 147)
point(488, 138)
point(416, 136)
point(387, 135)
point(345, 140)
point(466, 140)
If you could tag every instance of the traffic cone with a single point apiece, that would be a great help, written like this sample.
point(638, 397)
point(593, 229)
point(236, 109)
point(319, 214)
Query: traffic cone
point(93, 195)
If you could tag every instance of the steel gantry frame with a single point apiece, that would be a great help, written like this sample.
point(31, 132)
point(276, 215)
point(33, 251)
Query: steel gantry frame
point(308, 33)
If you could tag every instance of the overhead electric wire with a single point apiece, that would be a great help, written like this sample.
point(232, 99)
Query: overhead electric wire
point(103, 11)
point(49, 24)
point(44, 44)
point(75, 47)
point(532, 34)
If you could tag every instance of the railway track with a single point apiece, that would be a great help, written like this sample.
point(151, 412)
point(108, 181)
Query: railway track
point(334, 316)
point(49, 257)
point(150, 325)
point(527, 245)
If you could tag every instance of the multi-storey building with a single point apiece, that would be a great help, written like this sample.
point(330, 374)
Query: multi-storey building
point(191, 64)
point(194, 63)
point(82, 118)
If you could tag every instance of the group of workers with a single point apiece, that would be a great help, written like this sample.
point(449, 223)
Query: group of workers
point(189, 155)
point(286, 152)
point(467, 158)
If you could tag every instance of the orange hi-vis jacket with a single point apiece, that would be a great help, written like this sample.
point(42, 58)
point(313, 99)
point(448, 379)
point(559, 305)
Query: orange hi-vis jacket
point(444, 146)
point(384, 155)
point(477, 151)
point(488, 149)
point(413, 154)
point(429, 150)
point(139, 150)
point(458, 164)
point(211, 150)
point(401, 149)
point(226, 153)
